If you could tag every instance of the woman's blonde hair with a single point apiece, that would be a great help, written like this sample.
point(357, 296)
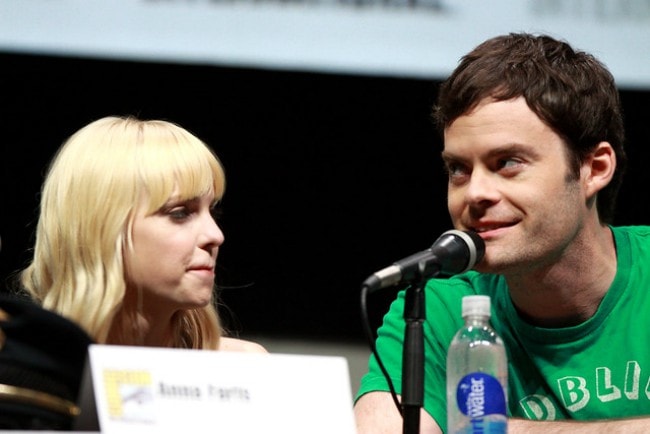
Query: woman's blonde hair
point(98, 178)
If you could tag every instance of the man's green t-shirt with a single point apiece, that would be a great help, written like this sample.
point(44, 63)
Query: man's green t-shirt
point(599, 369)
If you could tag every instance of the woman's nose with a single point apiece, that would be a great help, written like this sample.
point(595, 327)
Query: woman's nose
point(211, 233)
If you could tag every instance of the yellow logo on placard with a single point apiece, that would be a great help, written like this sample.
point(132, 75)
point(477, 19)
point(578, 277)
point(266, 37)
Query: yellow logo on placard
point(129, 395)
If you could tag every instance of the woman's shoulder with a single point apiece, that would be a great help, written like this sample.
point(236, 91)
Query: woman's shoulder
point(240, 345)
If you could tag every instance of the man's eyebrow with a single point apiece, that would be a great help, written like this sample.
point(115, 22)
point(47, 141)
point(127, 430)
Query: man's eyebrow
point(505, 149)
point(446, 156)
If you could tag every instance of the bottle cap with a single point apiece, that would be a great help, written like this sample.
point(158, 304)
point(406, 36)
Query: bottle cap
point(476, 305)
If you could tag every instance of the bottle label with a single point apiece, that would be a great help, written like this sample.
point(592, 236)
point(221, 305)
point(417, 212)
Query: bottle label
point(481, 398)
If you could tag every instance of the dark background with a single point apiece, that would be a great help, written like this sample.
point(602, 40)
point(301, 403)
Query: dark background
point(329, 177)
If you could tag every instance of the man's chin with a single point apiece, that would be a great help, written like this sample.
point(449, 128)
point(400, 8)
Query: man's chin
point(490, 267)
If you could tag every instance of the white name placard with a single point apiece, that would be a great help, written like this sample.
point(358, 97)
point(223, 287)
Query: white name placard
point(153, 390)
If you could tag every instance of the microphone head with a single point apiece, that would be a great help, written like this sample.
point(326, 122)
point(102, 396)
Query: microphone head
point(452, 253)
point(467, 249)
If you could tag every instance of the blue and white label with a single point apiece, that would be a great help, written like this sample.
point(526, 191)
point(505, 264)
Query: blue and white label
point(480, 396)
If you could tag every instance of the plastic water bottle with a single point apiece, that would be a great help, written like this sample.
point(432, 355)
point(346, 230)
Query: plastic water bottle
point(477, 374)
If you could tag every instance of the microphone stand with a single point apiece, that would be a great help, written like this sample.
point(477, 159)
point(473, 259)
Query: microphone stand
point(413, 358)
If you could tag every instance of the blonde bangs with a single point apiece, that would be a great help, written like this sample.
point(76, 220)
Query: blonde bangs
point(172, 161)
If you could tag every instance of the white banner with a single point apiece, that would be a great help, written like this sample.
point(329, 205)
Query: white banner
point(411, 38)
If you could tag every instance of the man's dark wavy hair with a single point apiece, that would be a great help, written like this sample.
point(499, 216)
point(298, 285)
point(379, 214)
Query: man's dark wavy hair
point(570, 90)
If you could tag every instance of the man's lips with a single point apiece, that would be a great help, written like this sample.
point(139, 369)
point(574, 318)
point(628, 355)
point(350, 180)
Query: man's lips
point(481, 229)
point(490, 228)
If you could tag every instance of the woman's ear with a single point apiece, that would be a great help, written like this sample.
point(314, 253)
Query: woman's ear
point(599, 168)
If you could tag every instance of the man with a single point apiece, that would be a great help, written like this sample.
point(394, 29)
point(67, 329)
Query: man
point(533, 146)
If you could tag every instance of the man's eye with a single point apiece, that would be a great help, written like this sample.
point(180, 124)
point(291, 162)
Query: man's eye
point(454, 170)
point(508, 163)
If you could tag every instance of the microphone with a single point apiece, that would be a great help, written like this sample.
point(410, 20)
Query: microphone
point(453, 252)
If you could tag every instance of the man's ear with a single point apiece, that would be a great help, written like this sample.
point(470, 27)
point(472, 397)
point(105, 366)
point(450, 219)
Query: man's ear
point(599, 168)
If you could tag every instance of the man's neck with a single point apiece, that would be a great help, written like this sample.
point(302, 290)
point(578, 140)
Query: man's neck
point(569, 291)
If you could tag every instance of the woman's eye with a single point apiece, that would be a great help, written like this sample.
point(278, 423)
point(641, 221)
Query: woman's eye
point(179, 213)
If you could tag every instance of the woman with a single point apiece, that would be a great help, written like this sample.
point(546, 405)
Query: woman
point(126, 243)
